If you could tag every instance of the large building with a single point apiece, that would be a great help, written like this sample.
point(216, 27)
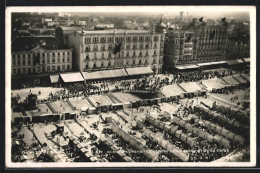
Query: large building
point(195, 45)
point(39, 54)
point(109, 49)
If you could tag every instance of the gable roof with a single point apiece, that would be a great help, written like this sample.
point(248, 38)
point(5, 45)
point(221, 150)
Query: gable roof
point(29, 43)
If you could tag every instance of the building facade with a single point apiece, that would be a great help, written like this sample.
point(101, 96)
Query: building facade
point(109, 49)
point(195, 45)
point(237, 50)
point(39, 55)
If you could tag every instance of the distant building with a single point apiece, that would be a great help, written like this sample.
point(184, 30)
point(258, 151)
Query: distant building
point(109, 49)
point(62, 32)
point(196, 45)
point(237, 50)
point(33, 55)
point(105, 25)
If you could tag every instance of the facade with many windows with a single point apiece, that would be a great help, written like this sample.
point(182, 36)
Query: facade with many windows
point(110, 49)
point(195, 45)
point(38, 58)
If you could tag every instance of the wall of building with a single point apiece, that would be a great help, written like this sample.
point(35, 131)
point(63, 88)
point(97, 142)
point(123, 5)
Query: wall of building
point(94, 51)
point(50, 61)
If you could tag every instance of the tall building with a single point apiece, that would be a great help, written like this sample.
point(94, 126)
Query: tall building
point(39, 54)
point(109, 49)
point(195, 45)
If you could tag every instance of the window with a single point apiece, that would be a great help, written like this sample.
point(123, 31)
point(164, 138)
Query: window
point(141, 39)
point(68, 67)
point(48, 54)
point(53, 54)
point(128, 39)
point(53, 68)
point(48, 68)
point(103, 47)
point(147, 46)
point(59, 60)
point(140, 61)
point(95, 56)
point(58, 54)
point(95, 40)
point(155, 46)
point(95, 65)
point(134, 46)
point(14, 71)
point(109, 63)
point(63, 59)
point(103, 39)
point(43, 60)
point(146, 53)
point(110, 47)
point(155, 38)
point(87, 66)
point(58, 68)
point(154, 52)
point(141, 46)
point(63, 54)
point(95, 48)
point(110, 39)
point(53, 60)
point(63, 67)
point(87, 49)
point(102, 55)
point(68, 59)
point(43, 54)
point(87, 40)
point(109, 54)
point(127, 53)
point(87, 56)
point(128, 46)
point(48, 60)
point(135, 39)
point(19, 71)
point(140, 53)
point(134, 53)
point(147, 38)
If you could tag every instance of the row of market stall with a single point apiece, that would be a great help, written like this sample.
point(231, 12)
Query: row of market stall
point(30, 117)
point(210, 64)
point(158, 137)
point(190, 128)
point(100, 75)
point(139, 145)
point(80, 150)
point(230, 124)
point(191, 89)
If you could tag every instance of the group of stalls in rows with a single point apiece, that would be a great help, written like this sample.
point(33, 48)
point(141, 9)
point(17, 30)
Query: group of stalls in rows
point(138, 144)
point(230, 124)
point(81, 151)
point(236, 63)
point(18, 117)
point(243, 117)
point(173, 129)
point(122, 73)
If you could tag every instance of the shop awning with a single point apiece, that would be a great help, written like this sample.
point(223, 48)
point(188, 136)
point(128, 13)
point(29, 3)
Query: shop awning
point(72, 77)
point(139, 71)
point(55, 78)
point(104, 74)
point(232, 62)
point(218, 62)
point(180, 67)
point(204, 64)
point(247, 59)
point(240, 61)
point(190, 66)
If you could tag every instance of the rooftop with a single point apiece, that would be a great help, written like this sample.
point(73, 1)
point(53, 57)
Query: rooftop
point(29, 43)
point(118, 31)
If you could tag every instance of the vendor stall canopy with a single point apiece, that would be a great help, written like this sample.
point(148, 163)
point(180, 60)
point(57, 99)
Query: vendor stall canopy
point(72, 77)
point(139, 71)
point(104, 74)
